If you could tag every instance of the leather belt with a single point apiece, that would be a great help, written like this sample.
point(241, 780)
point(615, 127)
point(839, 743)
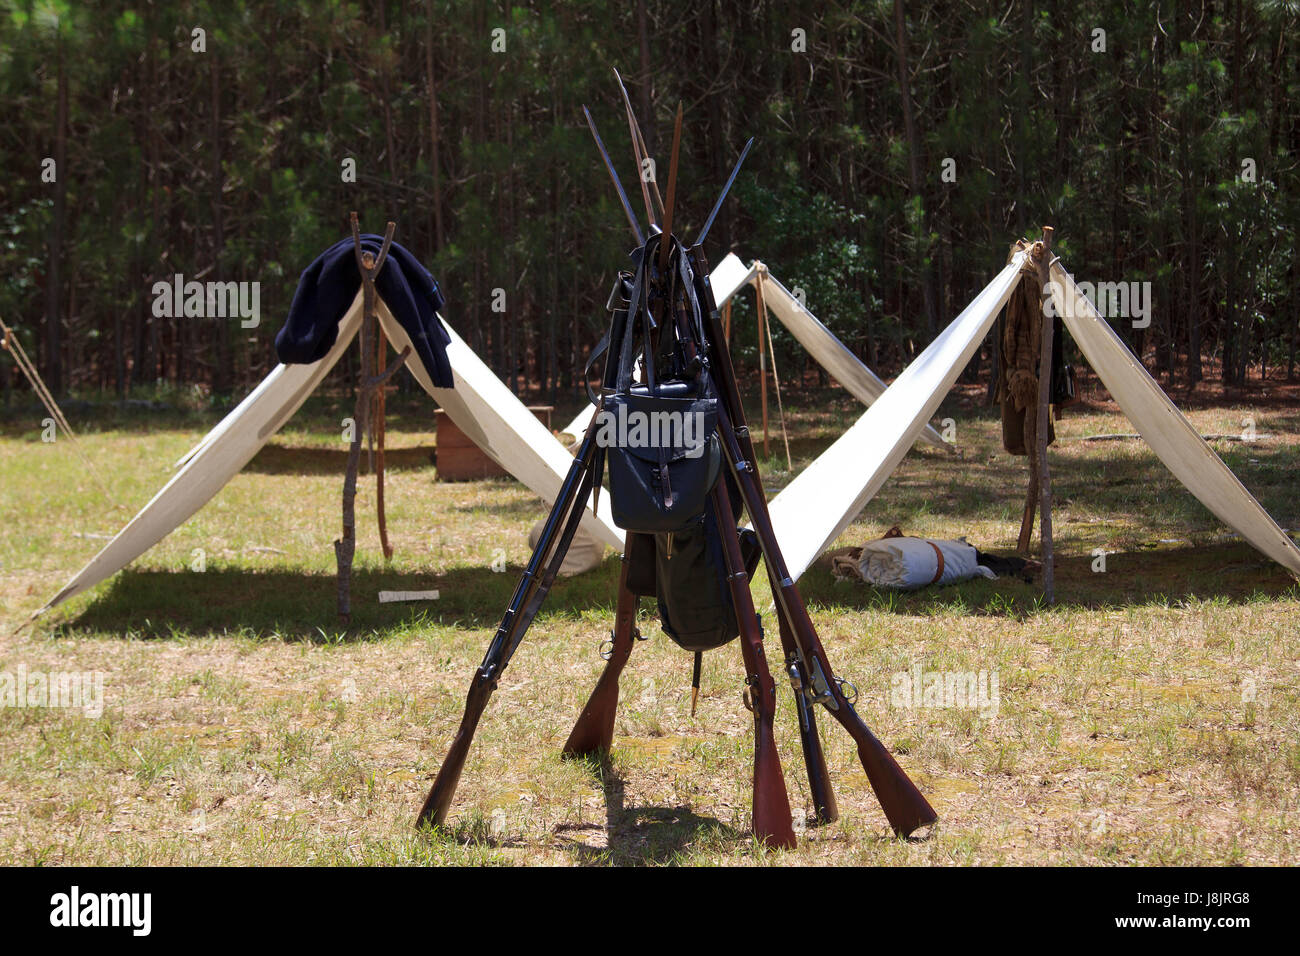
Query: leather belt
point(938, 552)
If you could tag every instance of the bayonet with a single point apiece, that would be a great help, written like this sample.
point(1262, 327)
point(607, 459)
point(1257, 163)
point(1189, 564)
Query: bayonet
point(613, 175)
point(708, 223)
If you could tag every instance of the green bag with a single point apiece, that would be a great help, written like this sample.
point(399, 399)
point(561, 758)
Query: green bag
point(695, 603)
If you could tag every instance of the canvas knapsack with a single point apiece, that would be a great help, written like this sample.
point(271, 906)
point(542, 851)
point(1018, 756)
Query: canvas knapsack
point(686, 573)
point(661, 484)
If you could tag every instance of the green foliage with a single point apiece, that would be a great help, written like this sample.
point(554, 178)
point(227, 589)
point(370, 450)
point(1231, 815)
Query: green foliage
point(226, 163)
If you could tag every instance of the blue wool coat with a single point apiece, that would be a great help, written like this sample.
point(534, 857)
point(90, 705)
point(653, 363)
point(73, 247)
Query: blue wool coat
point(328, 286)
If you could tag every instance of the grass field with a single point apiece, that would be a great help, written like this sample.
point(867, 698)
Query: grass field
point(1150, 717)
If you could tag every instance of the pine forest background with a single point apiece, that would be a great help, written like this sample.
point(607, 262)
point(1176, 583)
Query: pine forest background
point(1169, 157)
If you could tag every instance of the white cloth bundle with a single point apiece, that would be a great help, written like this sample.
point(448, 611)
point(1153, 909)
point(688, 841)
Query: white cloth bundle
point(911, 563)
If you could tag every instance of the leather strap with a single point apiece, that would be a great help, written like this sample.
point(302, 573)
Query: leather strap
point(938, 572)
point(635, 310)
point(596, 353)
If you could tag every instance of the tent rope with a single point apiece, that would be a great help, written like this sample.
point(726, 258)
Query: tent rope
point(776, 379)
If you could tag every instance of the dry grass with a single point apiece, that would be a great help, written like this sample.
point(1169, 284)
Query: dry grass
point(241, 727)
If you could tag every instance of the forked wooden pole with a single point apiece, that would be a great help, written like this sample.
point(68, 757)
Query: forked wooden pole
point(1042, 253)
point(369, 266)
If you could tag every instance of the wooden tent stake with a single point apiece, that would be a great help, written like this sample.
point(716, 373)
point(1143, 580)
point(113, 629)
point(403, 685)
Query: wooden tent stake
point(345, 547)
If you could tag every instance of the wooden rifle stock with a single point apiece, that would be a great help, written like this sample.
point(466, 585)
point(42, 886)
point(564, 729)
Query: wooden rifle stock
point(594, 731)
point(773, 826)
point(772, 823)
point(434, 811)
point(904, 805)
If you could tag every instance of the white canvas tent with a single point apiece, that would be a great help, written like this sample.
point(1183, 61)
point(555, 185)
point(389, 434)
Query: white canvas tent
point(480, 404)
point(808, 514)
point(730, 276)
point(854, 468)
point(822, 344)
point(1164, 428)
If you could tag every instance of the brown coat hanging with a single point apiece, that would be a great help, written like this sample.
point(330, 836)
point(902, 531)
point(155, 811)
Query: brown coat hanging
point(1021, 340)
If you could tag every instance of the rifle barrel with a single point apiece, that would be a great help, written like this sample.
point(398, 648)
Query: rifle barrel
point(665, 244)
point(639, 151)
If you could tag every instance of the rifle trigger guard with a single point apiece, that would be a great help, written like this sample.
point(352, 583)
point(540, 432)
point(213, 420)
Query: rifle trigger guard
point(637, 635)
point(606, 649)
point(746, 697)
point(848, 690)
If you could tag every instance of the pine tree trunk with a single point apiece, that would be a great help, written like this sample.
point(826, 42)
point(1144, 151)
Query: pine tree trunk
point(435, 159)
point(928, 285)
point(58, 224)
point(221, 374)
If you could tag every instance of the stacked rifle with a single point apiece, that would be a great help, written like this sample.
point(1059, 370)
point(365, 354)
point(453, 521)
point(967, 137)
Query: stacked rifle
point(680, 498)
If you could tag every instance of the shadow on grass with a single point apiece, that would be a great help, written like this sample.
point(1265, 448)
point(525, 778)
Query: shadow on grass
point(1233, 572)
point(167, 408)
point(641, 835)
point(524, 507)
point(636, 836)
point(302, 605)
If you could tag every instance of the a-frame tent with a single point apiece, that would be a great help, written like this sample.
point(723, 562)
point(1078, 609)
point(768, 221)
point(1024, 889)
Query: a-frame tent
point(1164, 428)
point(808, 514)
point(479, 403)
point(730, 276)
point(854, 468)
point(822, 344)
